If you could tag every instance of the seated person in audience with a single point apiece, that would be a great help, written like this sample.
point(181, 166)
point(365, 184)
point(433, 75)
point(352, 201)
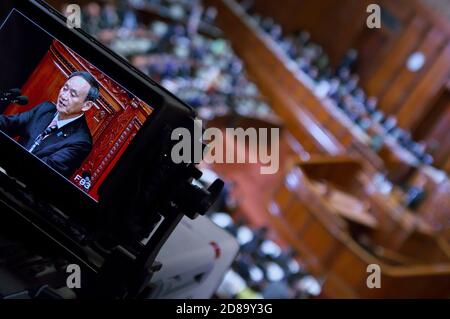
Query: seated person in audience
point(58, 134)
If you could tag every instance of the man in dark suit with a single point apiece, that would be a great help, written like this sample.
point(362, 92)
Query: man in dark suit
point(58, 133)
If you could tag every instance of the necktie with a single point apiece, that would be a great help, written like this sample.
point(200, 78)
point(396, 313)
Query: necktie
point(49, 130)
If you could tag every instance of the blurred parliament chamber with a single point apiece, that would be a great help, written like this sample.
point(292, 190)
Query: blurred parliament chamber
point(364, 119)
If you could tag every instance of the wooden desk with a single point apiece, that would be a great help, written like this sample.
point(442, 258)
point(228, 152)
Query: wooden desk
point(345, 205)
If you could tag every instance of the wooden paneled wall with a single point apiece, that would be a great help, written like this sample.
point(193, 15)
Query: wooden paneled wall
point(435, 129)
point(332, 23)
point(408, 94)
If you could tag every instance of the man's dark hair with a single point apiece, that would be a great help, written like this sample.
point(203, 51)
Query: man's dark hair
point(94, 91)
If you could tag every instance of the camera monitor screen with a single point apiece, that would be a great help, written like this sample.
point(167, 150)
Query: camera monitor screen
point(62, 108)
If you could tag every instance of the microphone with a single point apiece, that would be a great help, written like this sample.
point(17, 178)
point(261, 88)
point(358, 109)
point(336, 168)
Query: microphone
point(49, 130)
point(13, 96)
point(12, 93)
point(21, 100)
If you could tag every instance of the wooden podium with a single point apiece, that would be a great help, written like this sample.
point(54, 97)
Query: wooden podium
point(340, 226)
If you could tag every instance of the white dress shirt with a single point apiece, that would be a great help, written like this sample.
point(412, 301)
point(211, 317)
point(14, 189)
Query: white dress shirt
point(61, 123)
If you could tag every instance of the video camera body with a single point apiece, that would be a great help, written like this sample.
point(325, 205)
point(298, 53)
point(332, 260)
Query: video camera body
point(115, 239)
